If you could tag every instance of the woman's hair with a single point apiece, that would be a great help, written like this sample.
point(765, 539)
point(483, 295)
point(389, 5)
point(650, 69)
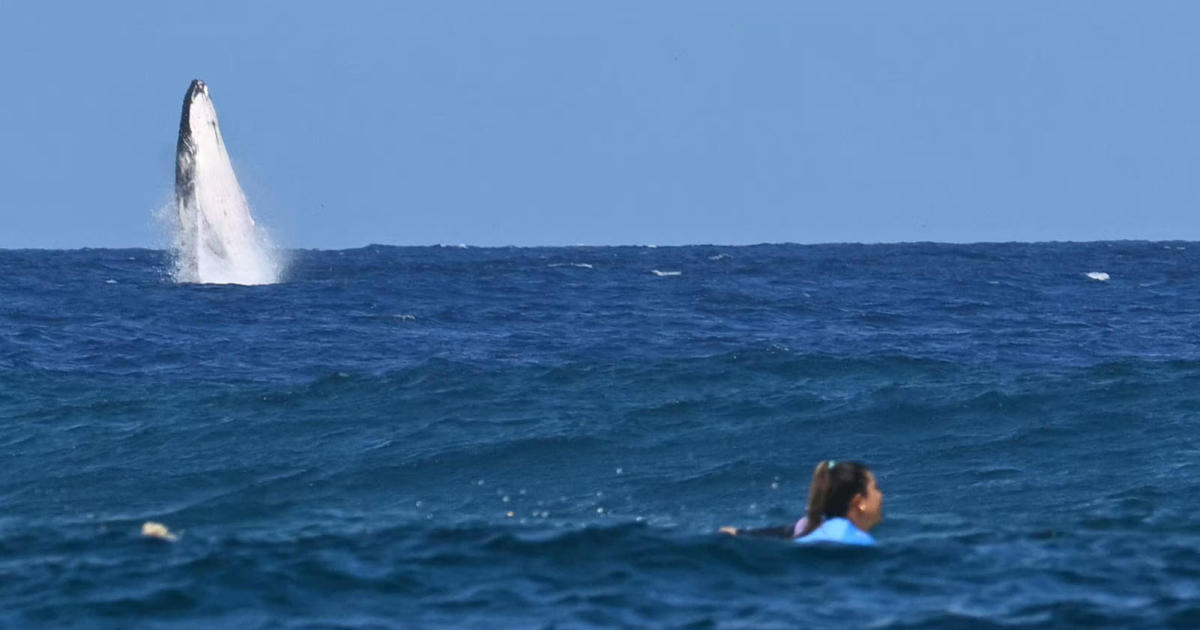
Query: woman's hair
point(834, 486)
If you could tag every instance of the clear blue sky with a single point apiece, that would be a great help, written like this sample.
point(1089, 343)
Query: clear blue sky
point(558, 122)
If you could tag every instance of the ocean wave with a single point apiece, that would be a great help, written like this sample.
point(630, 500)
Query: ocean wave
point(612, 572)
point(445, 437)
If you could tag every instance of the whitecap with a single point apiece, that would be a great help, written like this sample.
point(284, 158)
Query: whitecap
point(662, 274)
point(1098, 276)
point(580, 265)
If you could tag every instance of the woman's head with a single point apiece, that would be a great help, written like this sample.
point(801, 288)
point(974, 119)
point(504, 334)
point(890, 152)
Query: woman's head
point(844, 489)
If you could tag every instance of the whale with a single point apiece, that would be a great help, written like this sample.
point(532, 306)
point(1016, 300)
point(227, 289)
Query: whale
point(217, 240)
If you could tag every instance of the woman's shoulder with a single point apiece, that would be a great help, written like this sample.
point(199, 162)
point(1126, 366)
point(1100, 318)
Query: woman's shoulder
point(838, 531)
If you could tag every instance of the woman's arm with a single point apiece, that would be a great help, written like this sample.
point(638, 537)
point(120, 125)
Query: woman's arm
point(782, 531)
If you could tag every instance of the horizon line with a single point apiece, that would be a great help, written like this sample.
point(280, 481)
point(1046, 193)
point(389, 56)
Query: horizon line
point(633, 245)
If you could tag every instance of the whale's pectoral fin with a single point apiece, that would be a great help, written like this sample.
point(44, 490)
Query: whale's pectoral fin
point(212, 240)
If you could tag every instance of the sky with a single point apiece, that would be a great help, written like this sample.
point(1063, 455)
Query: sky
point(619, 122)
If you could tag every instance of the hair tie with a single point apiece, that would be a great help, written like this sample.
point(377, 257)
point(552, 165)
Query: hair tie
point(830, 464)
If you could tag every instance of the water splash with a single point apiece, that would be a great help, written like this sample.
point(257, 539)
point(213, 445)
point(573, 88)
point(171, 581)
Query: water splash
point(217, 241)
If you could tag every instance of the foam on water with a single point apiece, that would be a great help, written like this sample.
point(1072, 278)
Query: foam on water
point(217, 240)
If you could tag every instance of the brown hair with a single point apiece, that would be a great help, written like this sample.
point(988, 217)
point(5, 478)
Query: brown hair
point(834, 486)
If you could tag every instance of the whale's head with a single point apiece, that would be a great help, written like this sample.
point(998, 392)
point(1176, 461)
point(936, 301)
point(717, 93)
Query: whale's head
point(197, 128)
point(199, 117)
point(196, 90)
point(197, 100)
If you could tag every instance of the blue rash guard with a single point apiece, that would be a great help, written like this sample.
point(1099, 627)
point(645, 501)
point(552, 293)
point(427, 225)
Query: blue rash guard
point(838, 531)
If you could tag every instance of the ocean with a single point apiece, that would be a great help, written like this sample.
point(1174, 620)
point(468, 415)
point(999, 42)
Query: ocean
point(447, 437)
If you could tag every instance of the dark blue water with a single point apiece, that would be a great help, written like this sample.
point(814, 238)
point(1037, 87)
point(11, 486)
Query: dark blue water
point(482, 438)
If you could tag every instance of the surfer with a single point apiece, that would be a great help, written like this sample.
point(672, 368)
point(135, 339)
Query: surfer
point(844, 503)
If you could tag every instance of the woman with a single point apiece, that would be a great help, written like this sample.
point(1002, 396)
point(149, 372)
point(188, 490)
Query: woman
point(843, 505)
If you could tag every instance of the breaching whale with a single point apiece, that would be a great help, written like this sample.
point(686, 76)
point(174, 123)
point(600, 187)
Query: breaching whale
point(217, 241)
